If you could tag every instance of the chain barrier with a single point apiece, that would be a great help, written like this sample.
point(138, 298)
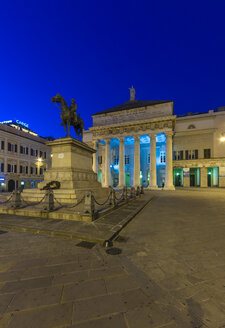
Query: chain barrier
point(66, 206)
point(101, 204)
point(119, 198)
point(6, 201)
point(32, 203)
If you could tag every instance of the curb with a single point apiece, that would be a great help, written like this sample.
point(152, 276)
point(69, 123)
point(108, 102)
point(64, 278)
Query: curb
point(79, 236)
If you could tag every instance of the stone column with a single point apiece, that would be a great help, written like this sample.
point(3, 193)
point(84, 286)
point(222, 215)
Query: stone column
point(121, 164)
point(186, 177)
point(95, 157)
point(136, 161)
point(203, 177)
point(107, 168)
point(153, 179)
point(169, 162)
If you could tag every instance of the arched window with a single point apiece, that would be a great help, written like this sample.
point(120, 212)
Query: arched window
point(192, 126)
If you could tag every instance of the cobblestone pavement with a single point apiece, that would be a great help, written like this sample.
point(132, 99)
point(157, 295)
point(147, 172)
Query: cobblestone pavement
point(171, 272)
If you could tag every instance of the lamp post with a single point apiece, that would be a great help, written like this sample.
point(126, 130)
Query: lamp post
point(39, 163)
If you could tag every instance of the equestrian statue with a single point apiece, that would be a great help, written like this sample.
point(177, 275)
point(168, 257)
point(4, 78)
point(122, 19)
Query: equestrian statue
point(69, 116)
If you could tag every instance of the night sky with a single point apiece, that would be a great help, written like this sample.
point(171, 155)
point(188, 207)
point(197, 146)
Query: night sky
point(94, 51)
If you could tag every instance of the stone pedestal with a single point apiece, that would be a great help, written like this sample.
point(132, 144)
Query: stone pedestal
point(72, 167)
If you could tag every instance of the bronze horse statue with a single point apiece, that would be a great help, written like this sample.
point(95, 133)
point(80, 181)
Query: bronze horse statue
point(69, 116)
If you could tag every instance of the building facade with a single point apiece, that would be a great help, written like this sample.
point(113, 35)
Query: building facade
point(144, 143)
point(23, 156)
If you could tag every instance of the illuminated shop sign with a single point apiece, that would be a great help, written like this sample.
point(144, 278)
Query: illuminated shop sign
point(6, 122)
point(17, 121)
point(22, 123)
point(19, 125)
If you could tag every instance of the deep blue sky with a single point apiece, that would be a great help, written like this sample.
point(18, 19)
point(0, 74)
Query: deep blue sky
point(94, 51)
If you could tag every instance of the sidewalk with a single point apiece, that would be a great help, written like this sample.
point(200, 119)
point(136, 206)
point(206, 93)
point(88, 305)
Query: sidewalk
point(101, 230)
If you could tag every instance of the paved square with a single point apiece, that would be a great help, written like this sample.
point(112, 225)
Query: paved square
point(171, 272)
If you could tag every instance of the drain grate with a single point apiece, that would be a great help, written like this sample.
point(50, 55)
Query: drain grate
point(114, 251)
point(1, 232)
point(86, 244)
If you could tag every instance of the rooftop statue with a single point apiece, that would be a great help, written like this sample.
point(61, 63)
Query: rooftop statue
point(69, 116)
point(132, 93)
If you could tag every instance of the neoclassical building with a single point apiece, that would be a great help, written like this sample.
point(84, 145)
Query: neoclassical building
point(133, 143)
point(144, 143)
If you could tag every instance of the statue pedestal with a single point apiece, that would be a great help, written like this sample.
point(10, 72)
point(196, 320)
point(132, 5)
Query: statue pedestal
point(72, 167)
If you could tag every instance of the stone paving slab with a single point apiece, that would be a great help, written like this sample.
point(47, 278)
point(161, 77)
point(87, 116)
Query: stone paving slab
point(100, 230)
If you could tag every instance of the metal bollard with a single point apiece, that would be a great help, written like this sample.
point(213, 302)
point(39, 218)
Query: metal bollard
point(132, 192)
point(142, 190)
point(89, 204)
point(48, 203)
point(112, 197)
point(16, 201)
point(125, 194)
point(138, 191)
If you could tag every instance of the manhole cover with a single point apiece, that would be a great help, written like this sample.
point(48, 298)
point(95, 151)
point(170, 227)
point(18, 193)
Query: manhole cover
point(86, 244)
point(1, 232)
point(114, 251)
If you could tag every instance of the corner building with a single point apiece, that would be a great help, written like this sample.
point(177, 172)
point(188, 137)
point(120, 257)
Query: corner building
point(24, 156)
point(144, 143)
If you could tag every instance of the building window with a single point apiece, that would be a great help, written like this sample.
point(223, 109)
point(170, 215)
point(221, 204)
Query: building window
point(41, 153)
point(36, 170)
point(162, 157)
point(174, 155)
point(2, 167)
point(186, 154)
point(99, 159)
point(31, 170)
point(36, 152)
point(45, 154)
point(9, 146)
point(15, 148)
point(26, 169)
point(127, 159)
point(27, 151)
point(148, 159)
point(115, 160)
point(41, 170)
point(180, 154)
point(21, 169)
point(9, 168)
point(207, 153)
point(2, 145)
point(15, 169)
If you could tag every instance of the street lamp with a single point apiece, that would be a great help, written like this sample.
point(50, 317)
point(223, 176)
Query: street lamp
point(39, 163)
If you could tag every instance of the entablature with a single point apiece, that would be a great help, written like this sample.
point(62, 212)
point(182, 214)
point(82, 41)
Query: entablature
point(154, 125)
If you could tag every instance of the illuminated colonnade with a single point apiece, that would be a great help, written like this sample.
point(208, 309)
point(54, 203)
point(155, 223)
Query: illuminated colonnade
point(133, 161)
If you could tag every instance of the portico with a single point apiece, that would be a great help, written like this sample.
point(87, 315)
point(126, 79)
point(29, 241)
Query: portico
point(135, 160)
point(133, 143)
